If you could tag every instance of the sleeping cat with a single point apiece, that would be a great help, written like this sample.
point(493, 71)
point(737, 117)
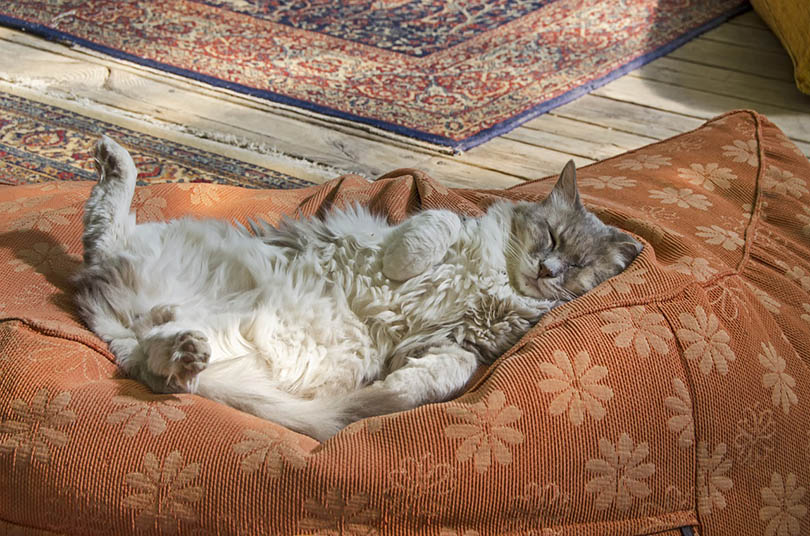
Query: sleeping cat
point(318, 323)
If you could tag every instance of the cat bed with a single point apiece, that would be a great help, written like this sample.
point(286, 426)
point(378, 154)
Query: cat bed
point(675, 394)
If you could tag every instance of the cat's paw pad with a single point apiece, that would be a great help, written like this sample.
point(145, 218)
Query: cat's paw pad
point(190, 356)
point(112, 161)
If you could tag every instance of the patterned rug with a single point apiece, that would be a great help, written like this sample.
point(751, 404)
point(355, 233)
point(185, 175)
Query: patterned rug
point(40, 143)
point(449, 73)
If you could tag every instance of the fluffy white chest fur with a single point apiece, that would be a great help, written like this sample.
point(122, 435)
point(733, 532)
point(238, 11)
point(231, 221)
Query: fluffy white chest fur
point(314, 324)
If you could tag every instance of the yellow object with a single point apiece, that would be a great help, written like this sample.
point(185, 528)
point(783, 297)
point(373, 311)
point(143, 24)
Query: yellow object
point(790, 21)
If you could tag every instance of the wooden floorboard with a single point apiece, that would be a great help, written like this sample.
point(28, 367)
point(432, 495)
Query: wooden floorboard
point(719, 81)
point(744, 59)
point(757, 37)
point(631, 117)
point(739, 64)
point(701, 104)
point(750, 19)
point(576, 137)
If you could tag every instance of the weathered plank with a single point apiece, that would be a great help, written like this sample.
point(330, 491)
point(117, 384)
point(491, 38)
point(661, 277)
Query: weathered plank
point(758, 38)
point(576, 137)
point(520, 159)
point(700, 104)
point(631, 117)
point(724, 82)
point(776, 65)
point(750, 19)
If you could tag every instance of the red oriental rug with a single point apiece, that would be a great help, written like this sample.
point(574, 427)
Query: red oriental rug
point(449, 73)
point(40, 143)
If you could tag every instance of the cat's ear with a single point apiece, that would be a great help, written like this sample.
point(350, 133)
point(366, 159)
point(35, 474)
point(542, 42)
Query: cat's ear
point(628, 247)
point(565, 191)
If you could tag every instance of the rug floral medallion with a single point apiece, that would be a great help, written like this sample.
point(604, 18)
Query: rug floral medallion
point(450, 73)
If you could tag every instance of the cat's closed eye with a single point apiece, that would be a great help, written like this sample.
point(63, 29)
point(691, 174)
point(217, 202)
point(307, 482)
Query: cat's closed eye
point(552, 240)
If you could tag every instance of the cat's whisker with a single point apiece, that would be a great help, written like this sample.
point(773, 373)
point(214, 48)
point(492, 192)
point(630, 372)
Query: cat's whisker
point(568, 294)
point(518, 252)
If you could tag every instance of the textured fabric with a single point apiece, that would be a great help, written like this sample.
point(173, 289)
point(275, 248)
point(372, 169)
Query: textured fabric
point(675, 394)
point(790, 21)
point(451, 73)
point(40, 143)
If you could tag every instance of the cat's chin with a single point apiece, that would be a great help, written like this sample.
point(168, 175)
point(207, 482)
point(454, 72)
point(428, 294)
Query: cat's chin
point(529, 286)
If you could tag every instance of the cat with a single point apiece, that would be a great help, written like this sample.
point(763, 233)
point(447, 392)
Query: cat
point(318, 323)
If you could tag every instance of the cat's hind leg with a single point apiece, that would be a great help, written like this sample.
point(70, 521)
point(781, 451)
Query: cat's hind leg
point(172, 353)
point(107, 211)
point(176, 354)
point(419, 243)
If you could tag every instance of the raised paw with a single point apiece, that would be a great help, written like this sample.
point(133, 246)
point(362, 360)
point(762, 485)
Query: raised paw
point(189, 357)
point(113, 162)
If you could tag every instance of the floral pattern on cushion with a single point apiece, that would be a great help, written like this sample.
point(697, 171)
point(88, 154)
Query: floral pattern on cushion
point(675, 394)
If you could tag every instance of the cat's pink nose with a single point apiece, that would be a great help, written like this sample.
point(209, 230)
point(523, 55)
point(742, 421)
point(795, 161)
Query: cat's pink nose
point(549, 268)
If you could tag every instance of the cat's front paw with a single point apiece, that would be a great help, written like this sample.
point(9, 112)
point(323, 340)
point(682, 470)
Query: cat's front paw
point(421, 243)
point(407, 257)
point(189, 357)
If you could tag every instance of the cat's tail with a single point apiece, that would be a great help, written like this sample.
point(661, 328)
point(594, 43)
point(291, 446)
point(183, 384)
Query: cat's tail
point(107, 217)
point(237, 384)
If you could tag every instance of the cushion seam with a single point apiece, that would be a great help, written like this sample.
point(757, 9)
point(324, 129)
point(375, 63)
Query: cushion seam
point(32, 527)
point(690, 382)
point(751, 228)
point(613, 523)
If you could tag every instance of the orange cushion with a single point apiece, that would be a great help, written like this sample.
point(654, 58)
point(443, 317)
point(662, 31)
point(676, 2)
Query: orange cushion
point(677, 393)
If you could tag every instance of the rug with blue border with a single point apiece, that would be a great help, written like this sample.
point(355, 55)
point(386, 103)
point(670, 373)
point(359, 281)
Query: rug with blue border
point(449, 73)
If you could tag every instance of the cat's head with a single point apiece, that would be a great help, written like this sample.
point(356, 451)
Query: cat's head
point(559, 250)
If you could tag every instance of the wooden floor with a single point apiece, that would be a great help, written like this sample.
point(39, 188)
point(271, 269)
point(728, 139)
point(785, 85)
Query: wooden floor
point(738, 65)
